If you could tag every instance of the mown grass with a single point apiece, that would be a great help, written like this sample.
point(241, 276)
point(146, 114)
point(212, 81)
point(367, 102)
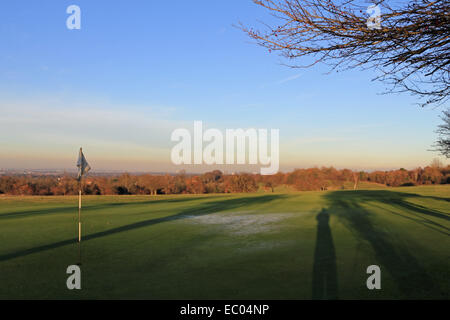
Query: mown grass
point(242, 246)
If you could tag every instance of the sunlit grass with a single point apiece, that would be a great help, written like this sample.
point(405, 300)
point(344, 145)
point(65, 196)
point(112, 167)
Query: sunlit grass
point(232, 246)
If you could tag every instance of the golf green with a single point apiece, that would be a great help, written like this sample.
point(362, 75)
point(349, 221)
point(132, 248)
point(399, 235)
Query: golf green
point(293, 245)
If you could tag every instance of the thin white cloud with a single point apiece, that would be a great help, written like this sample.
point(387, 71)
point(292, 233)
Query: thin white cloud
point(289, 78)
point(53, 129)
point(282, 81)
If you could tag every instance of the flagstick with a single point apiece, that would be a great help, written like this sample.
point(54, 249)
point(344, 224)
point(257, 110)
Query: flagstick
point(83, 168)
point(79, 221)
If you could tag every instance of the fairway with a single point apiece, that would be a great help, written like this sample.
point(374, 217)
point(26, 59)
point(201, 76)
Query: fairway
point(294, 245)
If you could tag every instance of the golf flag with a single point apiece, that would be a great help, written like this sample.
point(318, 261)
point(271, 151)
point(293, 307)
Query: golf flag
point(83, 166)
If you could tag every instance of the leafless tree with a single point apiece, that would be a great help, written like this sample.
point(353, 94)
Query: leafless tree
point(443, 142)
point(410, 50)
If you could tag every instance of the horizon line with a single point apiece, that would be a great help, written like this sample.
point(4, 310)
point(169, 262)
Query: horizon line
point(122, 171)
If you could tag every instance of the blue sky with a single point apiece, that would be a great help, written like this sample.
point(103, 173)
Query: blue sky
point(137, 70)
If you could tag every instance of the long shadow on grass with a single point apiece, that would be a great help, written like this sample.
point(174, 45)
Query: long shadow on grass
point(89, 207)
point(203, 209)
point(400, 199)
point(411, 278)
point(417, 218)
point(419, 214)
point(325, 285)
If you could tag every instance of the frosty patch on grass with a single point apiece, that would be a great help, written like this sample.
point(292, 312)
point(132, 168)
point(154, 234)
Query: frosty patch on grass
point(241, 223)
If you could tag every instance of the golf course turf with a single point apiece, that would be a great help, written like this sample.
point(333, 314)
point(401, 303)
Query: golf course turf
point(294, 245)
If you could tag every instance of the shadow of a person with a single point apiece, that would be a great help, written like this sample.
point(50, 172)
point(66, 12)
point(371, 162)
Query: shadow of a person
point(324, 284)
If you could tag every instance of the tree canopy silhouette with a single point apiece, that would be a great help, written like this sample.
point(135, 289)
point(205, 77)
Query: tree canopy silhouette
point(443, 142)
point(409, 47)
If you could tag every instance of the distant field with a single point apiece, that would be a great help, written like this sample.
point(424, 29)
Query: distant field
point(283, 245)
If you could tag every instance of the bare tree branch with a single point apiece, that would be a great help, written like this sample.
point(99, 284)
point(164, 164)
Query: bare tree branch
point(411, 49)
point(443, 143)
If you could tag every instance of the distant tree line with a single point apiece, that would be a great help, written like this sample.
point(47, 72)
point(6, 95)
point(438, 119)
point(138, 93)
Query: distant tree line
point(217, 182)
